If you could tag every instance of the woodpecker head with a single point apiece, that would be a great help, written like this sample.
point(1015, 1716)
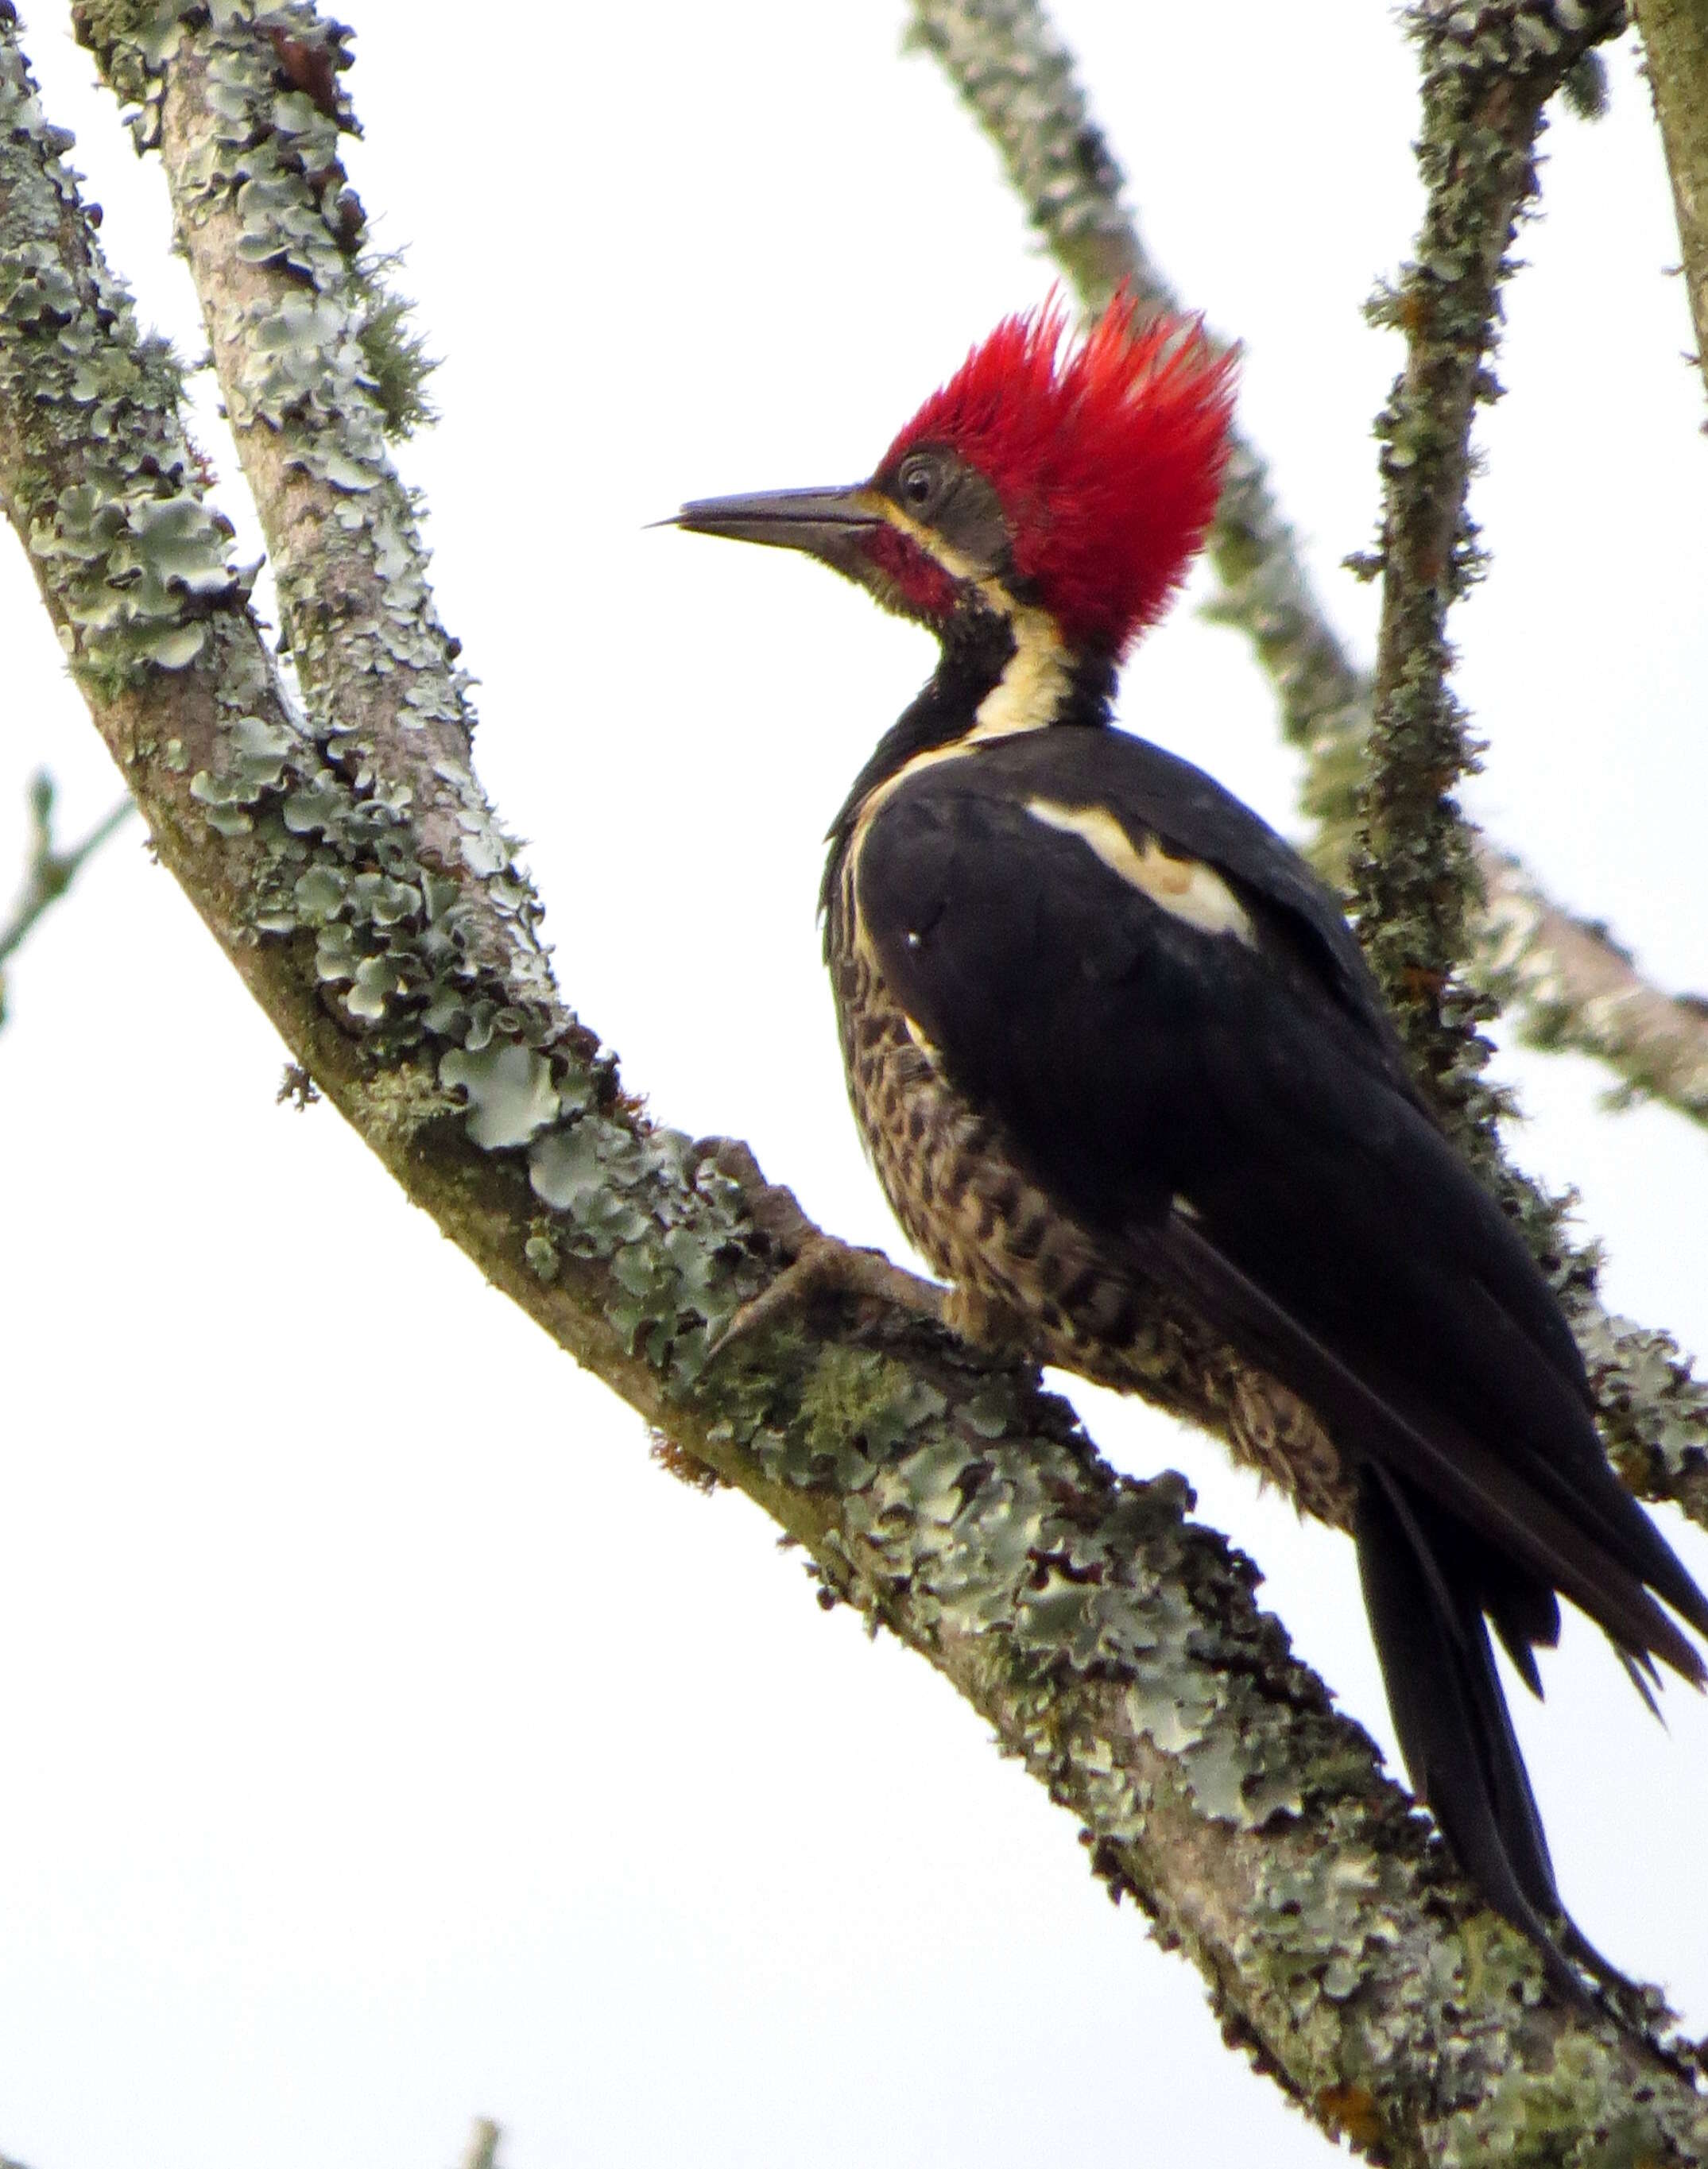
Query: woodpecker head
point(1074, 479)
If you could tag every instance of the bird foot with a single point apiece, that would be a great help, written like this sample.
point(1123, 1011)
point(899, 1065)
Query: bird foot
point(822, 1267)
point(819, 1265)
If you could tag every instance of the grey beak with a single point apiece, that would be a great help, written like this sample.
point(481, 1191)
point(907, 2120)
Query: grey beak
point(825, 523)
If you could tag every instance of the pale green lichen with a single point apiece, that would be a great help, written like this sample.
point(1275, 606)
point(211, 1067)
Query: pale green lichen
point(1658, 1045)
point(250, 139)
point(335, 359)
point(509, 1091)
point(136, 562)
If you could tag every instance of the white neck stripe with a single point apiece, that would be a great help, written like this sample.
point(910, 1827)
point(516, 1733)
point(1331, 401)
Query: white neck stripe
point(1030, 694)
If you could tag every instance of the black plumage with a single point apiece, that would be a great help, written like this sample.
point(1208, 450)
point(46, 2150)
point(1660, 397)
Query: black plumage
point(1225, 1109)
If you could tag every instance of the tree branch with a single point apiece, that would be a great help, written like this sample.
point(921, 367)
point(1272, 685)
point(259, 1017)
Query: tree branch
point(48, 871)
point(1675, 40)
point(1579, 990)
point(381, 923)
point(482, 2151)
point(1488, 72)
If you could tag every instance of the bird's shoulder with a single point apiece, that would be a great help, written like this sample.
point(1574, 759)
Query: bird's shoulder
point(1084, 845)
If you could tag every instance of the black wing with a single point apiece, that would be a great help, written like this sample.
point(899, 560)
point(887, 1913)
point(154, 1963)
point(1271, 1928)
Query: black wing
point(1157, 793)
point(1230, 1110)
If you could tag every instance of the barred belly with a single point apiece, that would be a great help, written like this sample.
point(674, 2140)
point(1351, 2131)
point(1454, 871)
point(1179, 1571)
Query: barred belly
point(1033, 1274)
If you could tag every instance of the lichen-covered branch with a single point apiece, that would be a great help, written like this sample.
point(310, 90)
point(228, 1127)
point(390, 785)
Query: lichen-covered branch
point(1487, 71)
point(1579, 990)
point(274, 237)
point(50, 868)
point(1009, 65)
point(1567, 982)
point(383, 926)
point(1675, 41)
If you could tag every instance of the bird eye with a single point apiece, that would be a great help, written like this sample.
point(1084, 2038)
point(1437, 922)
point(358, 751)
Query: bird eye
point(918, 482)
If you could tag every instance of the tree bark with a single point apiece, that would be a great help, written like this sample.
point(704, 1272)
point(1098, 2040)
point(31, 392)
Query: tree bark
point(1675, 40)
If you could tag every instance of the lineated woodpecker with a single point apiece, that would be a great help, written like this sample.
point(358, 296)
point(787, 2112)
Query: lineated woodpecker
point(1107, 1036)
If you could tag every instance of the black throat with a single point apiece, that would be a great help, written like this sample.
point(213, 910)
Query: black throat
point(978, 646)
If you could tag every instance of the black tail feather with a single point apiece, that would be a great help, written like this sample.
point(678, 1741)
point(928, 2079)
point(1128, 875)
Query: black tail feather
point(1549, 1525)
point(1455, 1729)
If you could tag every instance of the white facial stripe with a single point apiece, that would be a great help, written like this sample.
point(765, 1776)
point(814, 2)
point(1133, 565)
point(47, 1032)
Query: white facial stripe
point(958, 565)
point(1191, 890)
point(1029, 692)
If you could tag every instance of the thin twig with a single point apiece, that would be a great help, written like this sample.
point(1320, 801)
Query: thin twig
point(49, 872)
point(482, 2151)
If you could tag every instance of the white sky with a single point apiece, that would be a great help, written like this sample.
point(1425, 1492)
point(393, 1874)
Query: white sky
point(387, 1741)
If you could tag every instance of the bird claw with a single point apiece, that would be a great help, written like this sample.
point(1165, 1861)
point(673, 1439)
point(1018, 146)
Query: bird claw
point(822, 1267)
point(818, 1264)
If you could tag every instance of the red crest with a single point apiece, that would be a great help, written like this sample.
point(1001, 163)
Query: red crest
point(1107, 456)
